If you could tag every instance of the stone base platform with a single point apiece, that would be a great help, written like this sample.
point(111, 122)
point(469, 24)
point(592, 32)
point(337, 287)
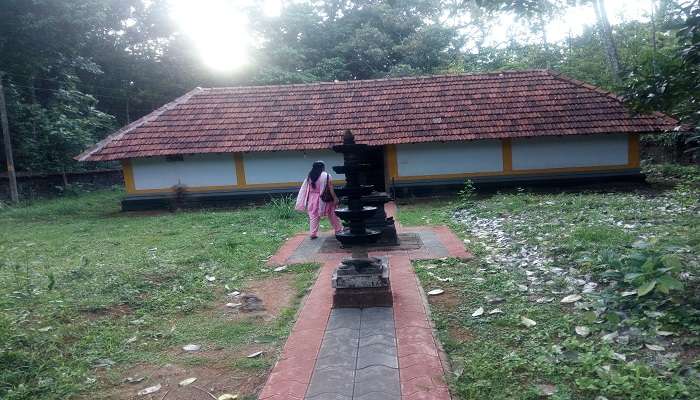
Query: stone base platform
point(362, 297)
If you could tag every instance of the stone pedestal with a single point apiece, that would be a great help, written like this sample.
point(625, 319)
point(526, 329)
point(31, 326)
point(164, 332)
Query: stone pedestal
point(362, 283)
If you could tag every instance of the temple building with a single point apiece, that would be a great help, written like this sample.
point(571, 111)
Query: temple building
point(233, 143)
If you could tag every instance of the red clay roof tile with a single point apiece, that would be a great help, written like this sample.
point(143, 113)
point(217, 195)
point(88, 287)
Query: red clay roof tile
point(382, 111)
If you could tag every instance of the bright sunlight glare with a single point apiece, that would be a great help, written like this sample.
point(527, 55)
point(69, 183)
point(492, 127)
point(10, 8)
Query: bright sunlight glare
point(218, 29)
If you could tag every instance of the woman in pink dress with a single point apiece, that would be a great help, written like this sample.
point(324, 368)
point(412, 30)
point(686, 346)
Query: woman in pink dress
point(309, 199)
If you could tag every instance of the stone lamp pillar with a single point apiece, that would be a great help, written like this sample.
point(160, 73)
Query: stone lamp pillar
point(360, 281)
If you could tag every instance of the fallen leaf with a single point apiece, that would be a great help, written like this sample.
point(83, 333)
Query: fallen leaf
point(149, 390)
point(191, 347)
point(572, 298)
point(134, 379)
point(620, 357)
point(609, 337)
point(664, 333)
point(280, 269)
point(582, 331)
point(131, 340)
point(45, 329)
point(227, 397)
point(234, 293)
point(210, 278)
point(233, 305)
point(654, 347)
point(496, 311)
point(527, 322)
point(187, 381)
point(545, 300)
point(478, 312)
point(629, 293)
point(435, 292)
point(256, 354)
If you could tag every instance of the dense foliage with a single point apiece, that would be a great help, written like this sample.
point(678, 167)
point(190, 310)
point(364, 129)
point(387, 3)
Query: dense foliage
point(77, 69)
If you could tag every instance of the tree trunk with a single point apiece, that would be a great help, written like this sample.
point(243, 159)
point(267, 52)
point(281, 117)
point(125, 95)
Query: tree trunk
point(607, 38)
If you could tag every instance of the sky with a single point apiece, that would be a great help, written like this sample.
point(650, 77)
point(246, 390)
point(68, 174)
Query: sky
point(220, 32)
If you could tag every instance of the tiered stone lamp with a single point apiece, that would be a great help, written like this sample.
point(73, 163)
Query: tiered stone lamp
point(360, 281)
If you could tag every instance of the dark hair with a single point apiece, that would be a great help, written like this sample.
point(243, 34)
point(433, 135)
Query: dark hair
point(316, 169)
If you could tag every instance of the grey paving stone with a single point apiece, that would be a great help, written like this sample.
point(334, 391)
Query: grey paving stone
point(383, 340)
point(342, 360)
point(377, 379)
point(346, 333)
point(328, 396)
point(378, 327)
point(344, 318)
point(332, 345)
point(377, 313)
point(331, 380)
point(378, 396)
point(376, 355)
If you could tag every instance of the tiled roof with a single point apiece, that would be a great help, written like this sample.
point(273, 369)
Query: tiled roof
point(382, 111)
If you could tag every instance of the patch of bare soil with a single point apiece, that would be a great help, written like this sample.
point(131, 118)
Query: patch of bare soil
point(459, 333)
point(115, 311)
point(276, 294)
point(212, 368)
point(448, 300)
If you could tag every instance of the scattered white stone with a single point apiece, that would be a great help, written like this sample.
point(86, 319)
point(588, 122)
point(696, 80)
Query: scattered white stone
point(149, 390)
point(187, 381)
point(435, 292)
point(45, 329)
point(546, 389)
point(572, 298)
point(256, 354)
point(191, 347)
point(131, 340)
point(210, 278)
point(665, 333)
point(227, 397)
point(629, 293)
point(589, 287)
point(654, 347)
point(235, 293)
point(619, 357)
point(478, 312)
point(496, 311)
point(609, 337)
point(583, 331)
point(280, 269)
point(542, 300)
point(527, 322)
point(233, 305)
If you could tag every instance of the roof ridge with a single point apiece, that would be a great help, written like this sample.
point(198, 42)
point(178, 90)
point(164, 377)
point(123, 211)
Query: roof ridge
point(399, 78)
point(128, 128)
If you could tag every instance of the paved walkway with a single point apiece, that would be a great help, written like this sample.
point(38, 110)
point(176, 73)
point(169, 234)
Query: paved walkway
point(369, 354)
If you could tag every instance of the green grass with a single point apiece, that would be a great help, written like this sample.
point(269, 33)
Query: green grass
point(594, 237)
point(78, 279)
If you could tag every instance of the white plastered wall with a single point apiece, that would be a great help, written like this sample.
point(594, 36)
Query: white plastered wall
point(449, 158)
point(570, 151)
point(286, 166)
point(193, 171)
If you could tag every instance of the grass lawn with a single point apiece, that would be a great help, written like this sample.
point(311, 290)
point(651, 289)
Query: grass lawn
point(633, 259)
point(90, 296)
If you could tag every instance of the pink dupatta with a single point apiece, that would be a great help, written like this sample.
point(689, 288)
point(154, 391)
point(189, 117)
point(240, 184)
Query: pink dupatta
point(303, 195)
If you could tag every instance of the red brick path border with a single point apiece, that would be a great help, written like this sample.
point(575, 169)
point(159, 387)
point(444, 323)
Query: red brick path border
point(422, 363)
